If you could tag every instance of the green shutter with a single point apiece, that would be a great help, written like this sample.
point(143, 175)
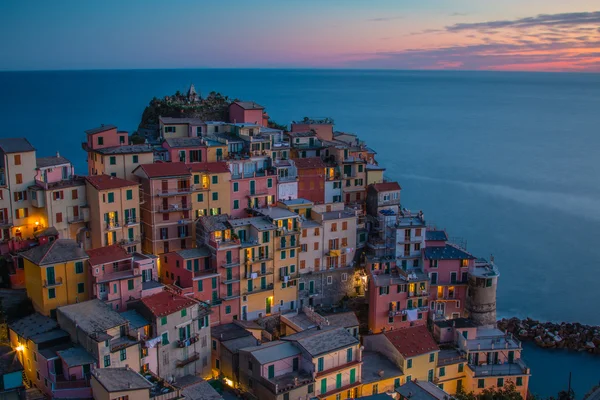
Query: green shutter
point(323, 385)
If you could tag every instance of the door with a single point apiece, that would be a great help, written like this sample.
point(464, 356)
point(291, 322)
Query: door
point(511, 357)
point(295, 364)
point(458, 385)
point(430, 375)
point(311, 287)
point(50, 275)
point(268, 305)
point(165, 186)
point(252, 187)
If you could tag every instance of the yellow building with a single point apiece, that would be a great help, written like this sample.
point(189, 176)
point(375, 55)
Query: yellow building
point(119, 383)
point(374, 174)
point(212, 189)
point(286, 256)
point(55, 275)
point(256, 237)
point(114, 206)
point(373, 380)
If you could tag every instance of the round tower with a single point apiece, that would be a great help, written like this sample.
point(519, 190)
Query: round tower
point(481, 295)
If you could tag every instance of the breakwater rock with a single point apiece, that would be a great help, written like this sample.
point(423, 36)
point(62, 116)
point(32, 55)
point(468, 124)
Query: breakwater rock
point(571, 336)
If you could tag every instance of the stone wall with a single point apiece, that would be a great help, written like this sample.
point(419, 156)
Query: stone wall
point(329, 286)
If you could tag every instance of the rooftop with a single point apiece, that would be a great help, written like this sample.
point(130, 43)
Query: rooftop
point(126, 149)
point(163, 170)
point(227, 332)
point(329, 215)
point(166, 303)
point(491, 338)
point(484, 269)
point(422, 390)
point(234, 345)
point(260, 223)
point(44, 162)
point(76, 356)
point(32, 325)
point(385, 186)
point(412, 341)
point(101, 128)
point(212, 223)
point(58, 251)
point(9, 361)
point(447, 252)
point(15, 145)
point(120, 379)
point(210, 167)
point(107, 182)
point(302, 134)
point(456, 323)
point(135, 319)
point(185, 142)
point(197, 252)
point(296, 202)
point(49, 231)
point(196, 388)
point(273, 351)
point(277, 213)
point(450, 356)
point(181, 121)
point(438, 236)
point(49, 336)
point(93, 316)
point(374, 363)
point(107, 254)
point(249, 105)
point(320, 341)
point(310, 162)
point(346, 319)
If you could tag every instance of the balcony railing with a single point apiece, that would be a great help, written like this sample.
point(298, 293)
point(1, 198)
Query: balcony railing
point(187, 342)
point(112, 226)
point(256, 274)
point(132, 221)
point(288, 277)
point(162, 208)
point(5, 222)
point(235, 293)
point(175, 191)
point(188, 360)
point(259, 288)
point(200, 187)
point(74, 219)
point(53, 282)
point(130, 240)
point(418, 293)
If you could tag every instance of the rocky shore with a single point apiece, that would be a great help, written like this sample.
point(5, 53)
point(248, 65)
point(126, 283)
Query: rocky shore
point(570, 336)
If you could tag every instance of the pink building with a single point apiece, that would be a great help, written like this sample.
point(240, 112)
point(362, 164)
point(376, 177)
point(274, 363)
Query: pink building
point(323, 127)
point(448, 268)
point(187, 149)
point(117, 277)
point(256, 189)
point(397, 298)
point(249, 112)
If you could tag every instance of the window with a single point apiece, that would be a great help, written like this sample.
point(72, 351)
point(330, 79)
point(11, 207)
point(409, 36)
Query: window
point(316, 231)
point(283, 255)
point(519, 380)
point(461, 367)
point(432, 357)
point(113, 160)
point(344, 225)
point(111, 197)
point(442, 371)
point(106, 361)
point(334, 227)
point(236, 186)
point(349, 355)
point(101, 142)
point(135, 159)
point(17, 159)
point(480, 383)
point(200, 286)
point(184, 312)
point(215, 179)
point(396, 383)
point(329, 280)
point(311, 388)
point(129, 194)
point(320, 364)
point(51, 293)
point(433, 278)
point(81, 287)
point(408, 364)
point(130, 284)
point(488, 283)
point(324, 385)
point(19, 178)
point(163, 321)
point(165, 338)
point(215, 196)
point(316, 246)
point(236, 204)
point(22, 212)
point(344, 277)
point(58, 217)
point(227, 309)
point(123, 354)
point(271, 371)
point(500, 382)
point(270, 182)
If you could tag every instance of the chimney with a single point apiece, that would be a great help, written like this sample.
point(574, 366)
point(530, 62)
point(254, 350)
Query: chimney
point(57, 154)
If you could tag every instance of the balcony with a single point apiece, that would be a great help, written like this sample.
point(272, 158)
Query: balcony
point(53, 282)
point(259, 258)
point(259, 273)
point(230, 264)
point(200, 187)
point(192, 357)
point(418, 293)
point(130, 241)
point(132, 221)
point(259, 289)
point(234, 294)
point(491, 370)
point(178, 191)
point(287, 246)
point(289, 277)
point(111, 226)
point(75, 219)
point(181, 343)
point(168, 208)
point(204, 272)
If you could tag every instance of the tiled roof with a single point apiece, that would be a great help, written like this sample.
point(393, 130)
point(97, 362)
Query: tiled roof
point(321, 341)
point(249, 105)
point(32, 325)
point(180, 121)
point(120, 379)
point(76, 356)
point(213, 223)
point(43, 162)
point(210, 167)
point(311, 162)
point(272, 351)
point(166, 303)
point(162, 169)
point(185, 142)
point(58, 251)
point(126, 149)
point(101, 128)
point(447, 252)
point(227, 332)
point(436, 236)
point(106, 182)
point(15, 145)
point(107, 254)
point(197, 252)
point(386, 186)
point(413, 341)
point(94, 317)
point(135, 319)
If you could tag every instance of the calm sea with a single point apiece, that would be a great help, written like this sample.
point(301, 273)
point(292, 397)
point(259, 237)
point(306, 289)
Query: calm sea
point(510, 162)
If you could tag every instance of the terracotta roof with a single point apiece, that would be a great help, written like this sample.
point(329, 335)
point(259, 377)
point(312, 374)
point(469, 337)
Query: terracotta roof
point(105, 182)
point(311, 162)
point(386, 186)
point(413, 341)
point(162, 169)
point(211, 167)
point(166, 303)
point(107, 254)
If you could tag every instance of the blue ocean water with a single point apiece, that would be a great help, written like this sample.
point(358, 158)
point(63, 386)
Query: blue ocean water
point(507, 161)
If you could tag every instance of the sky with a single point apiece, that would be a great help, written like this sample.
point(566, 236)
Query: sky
point(529, 35)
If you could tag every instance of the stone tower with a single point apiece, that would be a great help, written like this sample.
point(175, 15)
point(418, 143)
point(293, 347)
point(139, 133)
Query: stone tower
point(481, 295)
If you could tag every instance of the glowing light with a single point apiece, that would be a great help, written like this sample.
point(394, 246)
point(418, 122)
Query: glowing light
point(228, 382)
point(37, 223)
point(20, 348)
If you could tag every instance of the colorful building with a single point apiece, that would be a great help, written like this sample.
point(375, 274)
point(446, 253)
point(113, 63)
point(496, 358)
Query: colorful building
point(253, 185)
point(119, 383)
point(212, 189)
point(109, 152)
point(166, 209)
point(227, 341)
point(311, 179)
point(55, 275)
point(248, 112)
point(114, 212)
point(323, 127)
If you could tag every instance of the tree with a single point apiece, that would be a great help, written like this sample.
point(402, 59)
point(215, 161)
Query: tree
point(506, 392)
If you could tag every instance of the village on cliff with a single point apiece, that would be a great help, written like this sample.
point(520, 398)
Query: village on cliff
point(277, 264)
